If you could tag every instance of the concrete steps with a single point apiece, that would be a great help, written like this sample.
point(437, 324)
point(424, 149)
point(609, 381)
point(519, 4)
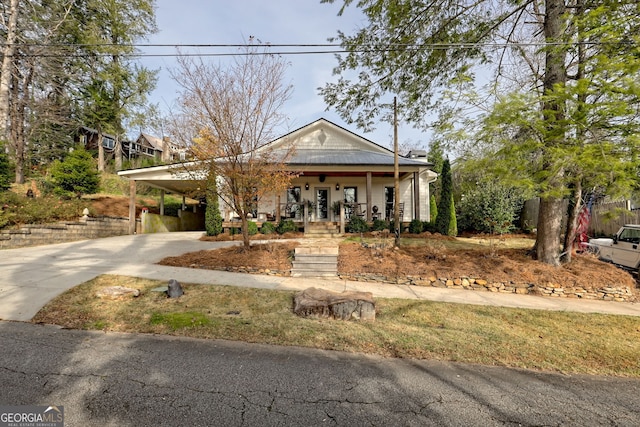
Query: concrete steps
point(315, 261)
point(321, 230)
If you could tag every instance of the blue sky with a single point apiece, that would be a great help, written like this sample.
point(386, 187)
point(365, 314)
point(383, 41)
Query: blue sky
point(270, 21)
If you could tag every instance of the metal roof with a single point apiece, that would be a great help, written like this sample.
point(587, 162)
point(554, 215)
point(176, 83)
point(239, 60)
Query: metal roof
point(349, 157)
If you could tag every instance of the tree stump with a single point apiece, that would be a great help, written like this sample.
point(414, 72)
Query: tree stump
point(314, 302)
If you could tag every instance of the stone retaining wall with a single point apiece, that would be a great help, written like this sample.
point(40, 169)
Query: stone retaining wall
point(46, 234)
point(607, 293)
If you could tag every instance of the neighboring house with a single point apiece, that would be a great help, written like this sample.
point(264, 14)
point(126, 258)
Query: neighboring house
point(334, 165)
point(161, 149)
point(88, 138)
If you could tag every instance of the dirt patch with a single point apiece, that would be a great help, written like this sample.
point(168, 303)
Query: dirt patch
point(272, 256)
point(492, 265)
point(431, 258)
point(118, 206)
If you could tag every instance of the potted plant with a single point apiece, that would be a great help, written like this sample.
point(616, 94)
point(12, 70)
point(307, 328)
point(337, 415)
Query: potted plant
point(311, 205)
point(335, 207)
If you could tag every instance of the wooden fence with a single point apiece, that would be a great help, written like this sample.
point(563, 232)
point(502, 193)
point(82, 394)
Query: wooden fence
point(607, 218)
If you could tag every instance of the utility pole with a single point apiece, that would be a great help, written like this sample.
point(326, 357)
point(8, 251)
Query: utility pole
point(396, 175)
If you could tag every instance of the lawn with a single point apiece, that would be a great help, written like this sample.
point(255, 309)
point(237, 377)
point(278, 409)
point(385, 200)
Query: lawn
point(532, 339)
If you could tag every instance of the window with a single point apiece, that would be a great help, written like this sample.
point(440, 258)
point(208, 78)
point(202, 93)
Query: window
point(350, 198)
point(292, 210)
point(108, 143)
point(631, 235)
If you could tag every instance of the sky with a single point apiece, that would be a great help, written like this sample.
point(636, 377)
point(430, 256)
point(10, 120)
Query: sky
point(182, 22)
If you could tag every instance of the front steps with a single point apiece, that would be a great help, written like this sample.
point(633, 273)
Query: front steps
point(315, 261)
point(319, 230)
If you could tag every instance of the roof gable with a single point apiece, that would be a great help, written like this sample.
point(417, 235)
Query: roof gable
point(154, 142)
point(327, 136)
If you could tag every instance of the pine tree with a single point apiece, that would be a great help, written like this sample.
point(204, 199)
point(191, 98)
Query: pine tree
point(453, 222)
point(433, 209)
point(76, 174)
point(443, 220)
point(212, 217)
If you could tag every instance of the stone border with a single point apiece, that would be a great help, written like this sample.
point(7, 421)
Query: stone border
point(606, 293)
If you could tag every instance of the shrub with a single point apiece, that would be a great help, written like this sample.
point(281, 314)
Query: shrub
point(490, 208)
point(443, 218)
point(75, 175)
point(433, 208)
point(268, 228)
point(379, 225)
point(429, 226)
point(357, 225)
point(172, 208)
point(286, 226)
point(17, 209)
point(212, 217)
point(252, 228)
point(416, 226)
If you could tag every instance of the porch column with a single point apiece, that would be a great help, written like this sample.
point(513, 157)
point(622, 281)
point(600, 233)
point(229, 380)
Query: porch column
point(132, 207)
point(341, 216)
point(416, 195)
point(184, 202)
point(161, 202)
point(278, 213)
point(306, 216)
point(369, 200)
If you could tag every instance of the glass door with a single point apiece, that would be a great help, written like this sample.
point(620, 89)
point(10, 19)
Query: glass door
point(322, 204)
point(389, 201)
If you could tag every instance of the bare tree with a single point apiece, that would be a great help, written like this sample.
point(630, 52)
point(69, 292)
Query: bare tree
point(7, 62)
point(235, 112)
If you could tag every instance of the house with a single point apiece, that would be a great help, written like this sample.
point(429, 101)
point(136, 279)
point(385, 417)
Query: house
point(161, 149)
point(88, 138)
point(334, 166)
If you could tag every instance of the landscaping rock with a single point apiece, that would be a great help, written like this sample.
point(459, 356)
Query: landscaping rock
point(175, 289)
point(314, 302)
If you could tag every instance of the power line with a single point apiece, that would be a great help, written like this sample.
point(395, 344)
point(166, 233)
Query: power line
point(310, 49)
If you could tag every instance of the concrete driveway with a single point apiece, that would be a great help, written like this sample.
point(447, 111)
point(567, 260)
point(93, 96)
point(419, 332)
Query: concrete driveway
point(31, 277)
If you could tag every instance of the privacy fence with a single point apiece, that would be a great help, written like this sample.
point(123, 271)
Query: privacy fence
point(606, 218)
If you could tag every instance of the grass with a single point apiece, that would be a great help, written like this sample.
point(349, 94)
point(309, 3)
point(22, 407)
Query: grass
point(532, 339)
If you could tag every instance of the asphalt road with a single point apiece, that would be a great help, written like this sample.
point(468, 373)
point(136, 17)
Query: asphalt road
point(113, 379)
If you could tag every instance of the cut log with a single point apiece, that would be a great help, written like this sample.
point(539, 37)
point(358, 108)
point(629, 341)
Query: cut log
point(314, 302)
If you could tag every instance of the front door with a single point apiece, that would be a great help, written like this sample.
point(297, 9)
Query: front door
point(322, 204)
point(389, 201)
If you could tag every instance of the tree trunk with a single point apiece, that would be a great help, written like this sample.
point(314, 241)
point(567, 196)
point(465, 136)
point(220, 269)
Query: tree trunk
point(117, 153)
point(7, 65)
point(100, 152)
point(553, 108)
point(549, 229)
point(575, 205)
point(16, 134)
point(245, 232)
